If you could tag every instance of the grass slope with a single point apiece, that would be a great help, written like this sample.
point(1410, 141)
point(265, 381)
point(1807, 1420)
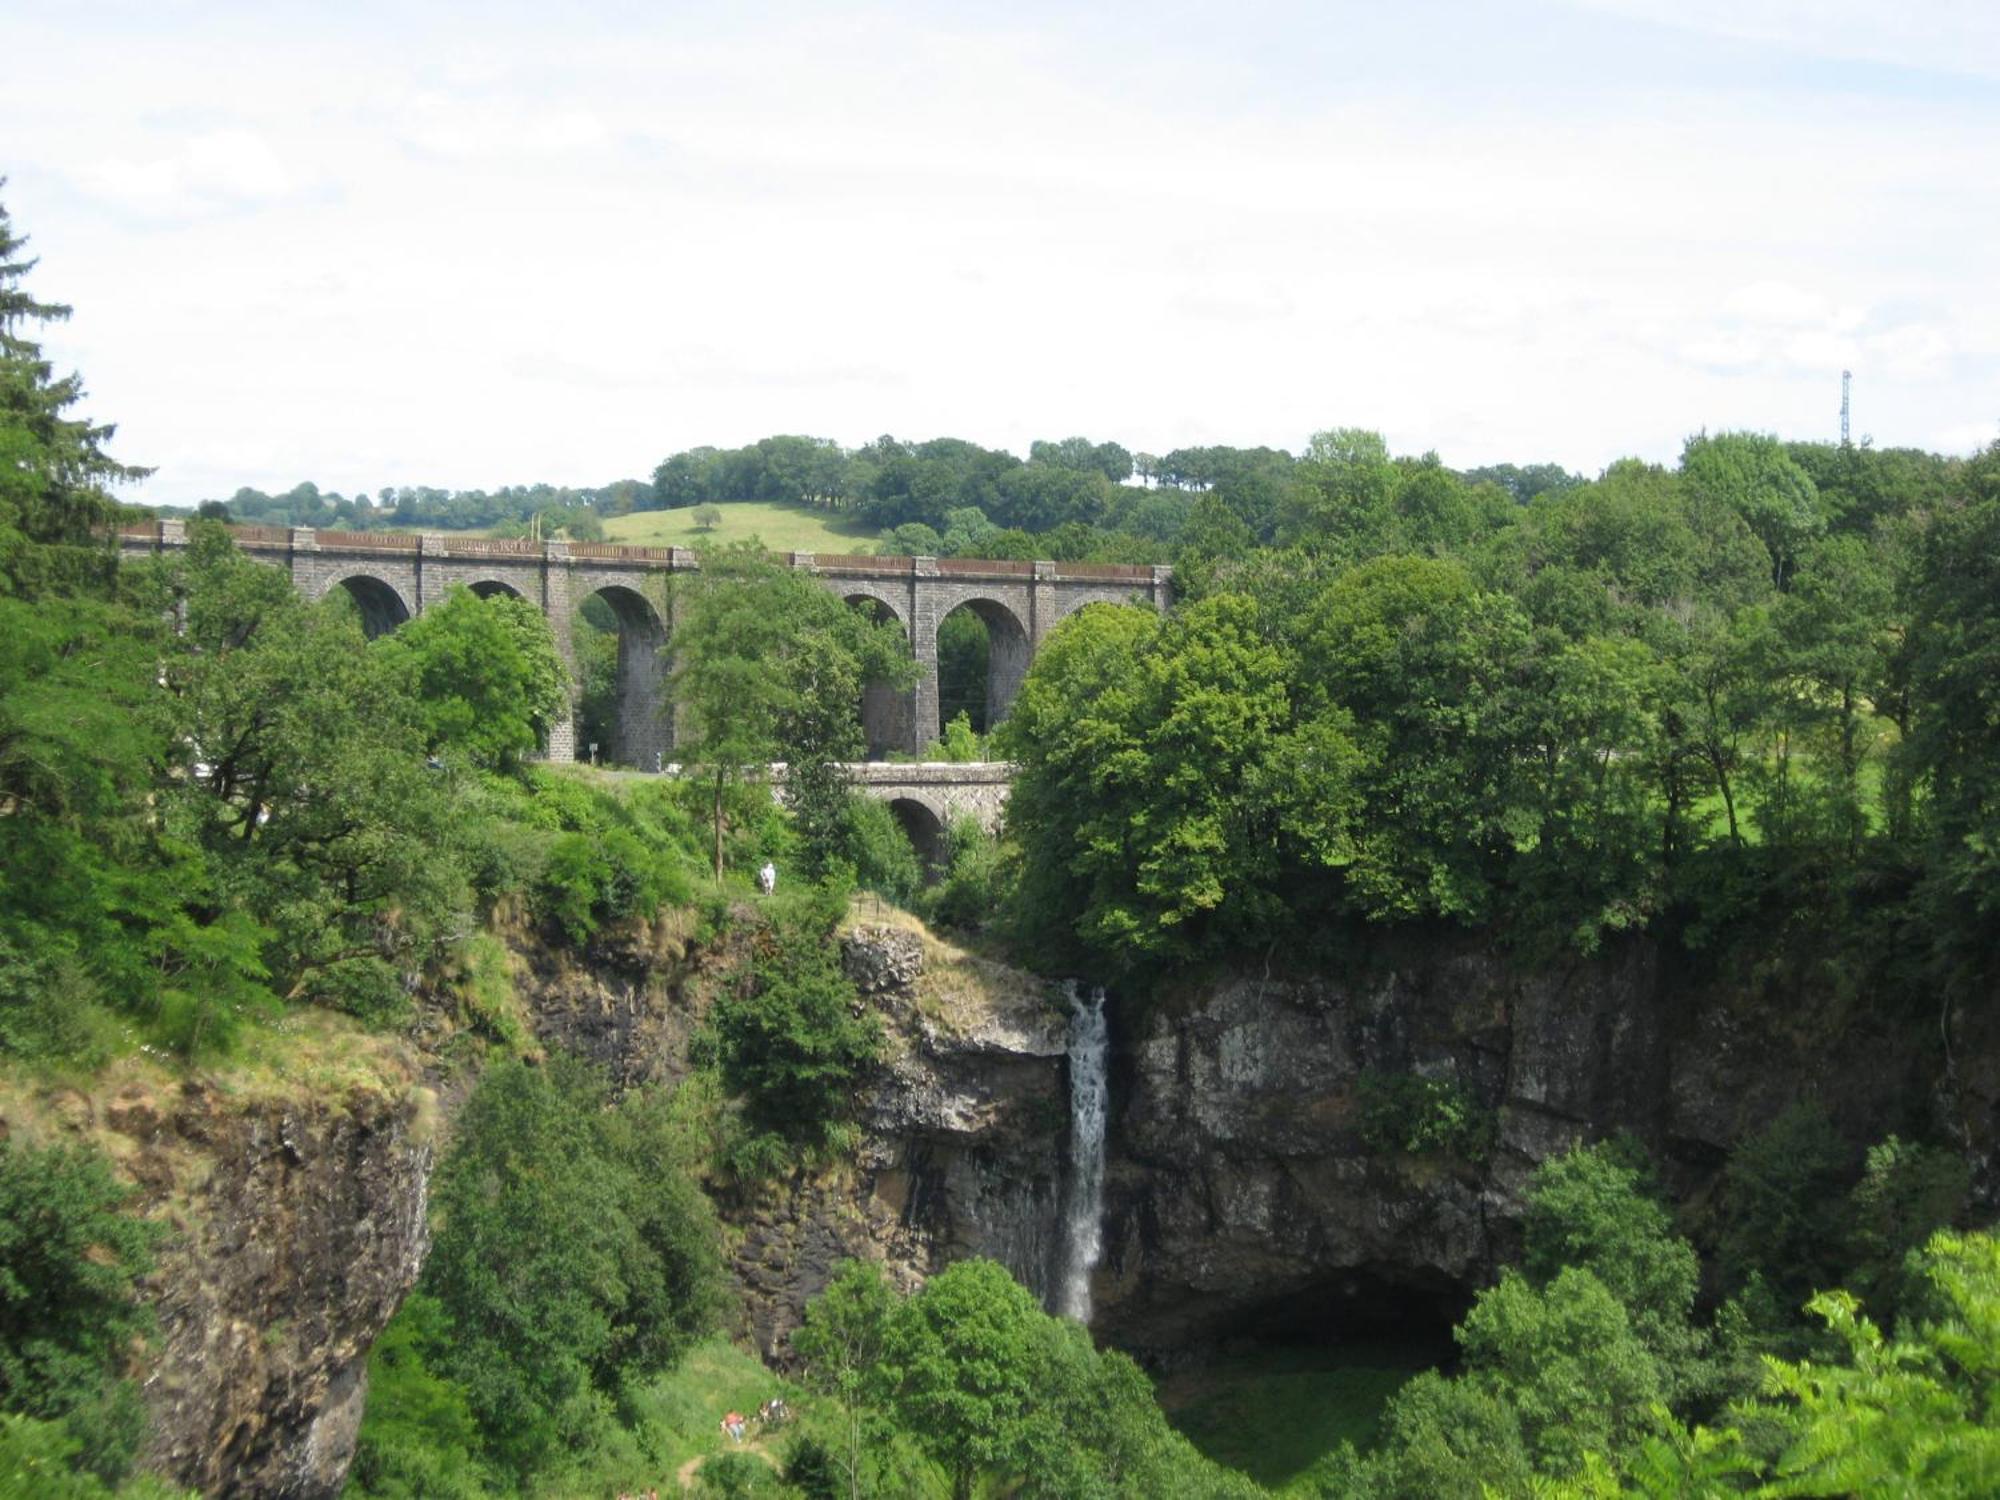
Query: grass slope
point(1272, 1413)
point(677, 1424)
point(780, 525)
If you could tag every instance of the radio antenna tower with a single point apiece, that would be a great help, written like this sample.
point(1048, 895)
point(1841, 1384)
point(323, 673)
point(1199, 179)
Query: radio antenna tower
point(1846, 381)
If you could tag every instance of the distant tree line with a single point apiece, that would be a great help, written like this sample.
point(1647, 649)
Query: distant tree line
point(558, 509)
point(1071, 499)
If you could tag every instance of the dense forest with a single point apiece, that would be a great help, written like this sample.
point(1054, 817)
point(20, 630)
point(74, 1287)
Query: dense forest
point(1749, 704)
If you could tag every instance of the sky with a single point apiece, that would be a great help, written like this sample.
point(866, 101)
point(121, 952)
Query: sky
point(464, 246)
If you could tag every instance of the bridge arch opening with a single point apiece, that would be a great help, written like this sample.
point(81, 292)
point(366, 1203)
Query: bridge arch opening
point(380, 607)
point(982, 657)
point(618, 641)
point(489, 588)
point(886, 714)
point(927, 835)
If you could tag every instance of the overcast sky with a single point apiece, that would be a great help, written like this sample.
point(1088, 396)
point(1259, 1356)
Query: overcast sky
point(376, 244)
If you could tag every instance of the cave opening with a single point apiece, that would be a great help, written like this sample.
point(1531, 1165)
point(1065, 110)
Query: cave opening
point(1396, 1305)
point(1273, 1384)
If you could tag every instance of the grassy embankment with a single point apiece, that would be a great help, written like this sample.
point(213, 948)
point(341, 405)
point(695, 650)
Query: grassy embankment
point(780, 525)
point(1273, 1412)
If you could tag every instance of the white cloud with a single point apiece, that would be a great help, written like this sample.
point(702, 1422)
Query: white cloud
point(1778, 304)
point(220, 167)
point(1947, 36)
point(1967, 437)
point(452, 126)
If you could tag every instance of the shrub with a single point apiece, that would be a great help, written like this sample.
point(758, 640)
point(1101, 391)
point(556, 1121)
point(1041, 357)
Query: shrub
point(50, 1006)
point(735, 1476)
point(38, 1459)
point(960, 742)
point(1423, 1116)
point(883, 858)
point(790, 1035)
point(1906, 1191)
point(812, 1470)
point(974, 886)
point(1782, 1204)
point(588, 881)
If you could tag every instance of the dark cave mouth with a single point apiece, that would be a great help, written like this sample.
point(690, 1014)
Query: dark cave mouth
point(1271, 1385)
point(1357, 1305)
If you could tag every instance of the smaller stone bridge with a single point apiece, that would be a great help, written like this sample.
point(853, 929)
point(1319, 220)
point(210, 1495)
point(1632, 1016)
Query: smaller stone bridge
point(928, 796)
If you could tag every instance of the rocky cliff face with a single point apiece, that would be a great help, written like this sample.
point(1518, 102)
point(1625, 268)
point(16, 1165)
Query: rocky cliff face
point(1243, 1196)
point(960, 1129)
point(960, 1138)
point(295, 1209)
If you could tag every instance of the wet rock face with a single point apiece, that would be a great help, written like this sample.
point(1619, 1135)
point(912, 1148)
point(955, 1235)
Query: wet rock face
point(1241, 1187)
point(287, 1260)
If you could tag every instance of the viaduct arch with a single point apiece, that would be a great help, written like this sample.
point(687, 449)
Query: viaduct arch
point(395, 577)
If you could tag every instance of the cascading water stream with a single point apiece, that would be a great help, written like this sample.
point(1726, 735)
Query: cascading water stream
point(1083, 1193)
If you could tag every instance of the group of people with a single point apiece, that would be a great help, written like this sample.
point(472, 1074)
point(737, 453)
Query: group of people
point(735, 1427)
point(773, 1413)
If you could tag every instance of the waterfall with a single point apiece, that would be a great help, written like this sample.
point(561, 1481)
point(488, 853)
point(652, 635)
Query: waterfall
point(1083, 1193)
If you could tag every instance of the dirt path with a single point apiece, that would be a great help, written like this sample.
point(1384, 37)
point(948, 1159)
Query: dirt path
point(685, 1474)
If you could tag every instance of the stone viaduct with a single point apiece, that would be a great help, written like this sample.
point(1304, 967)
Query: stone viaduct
point(393, 577)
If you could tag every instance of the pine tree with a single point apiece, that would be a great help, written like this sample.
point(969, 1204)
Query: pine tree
point(55, 509)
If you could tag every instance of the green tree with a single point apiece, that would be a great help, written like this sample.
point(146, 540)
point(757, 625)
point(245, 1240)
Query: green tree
point(771, 667)
point(1346, 487)
point(1167, 783)
point(55, 505)
point(1954, 688)
point(841, 1340)
point(572, 1254)
point(1904, 1416)
point(1589, 1209)
point(1568, 1360)
point(305, 782)
point(1448, 1439)
point(39, 1461)
point(1428, 666)
point(964, 652)
point(1907, 1191)
point(1214, 539)
point(1781, 1205)
point(961, 1359)
point(70, 1253)
point(1753, 476)
point(790, 1037)
point(486, 672)
point(418, 1437)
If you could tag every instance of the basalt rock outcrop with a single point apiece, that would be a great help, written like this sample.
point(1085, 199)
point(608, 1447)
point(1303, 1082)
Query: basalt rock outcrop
point(960, 1142)
point(295, 1218)
point(960, 1128)
point(1244, 1199)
